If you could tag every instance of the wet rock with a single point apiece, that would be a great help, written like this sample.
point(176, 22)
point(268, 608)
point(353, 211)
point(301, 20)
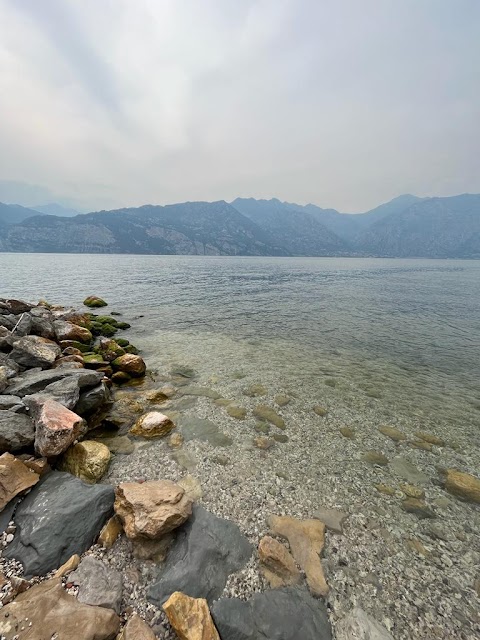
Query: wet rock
point(68, 331)
point(61, 516)
point(408, 471)
point(131, 364)
point(306, 539)
point(430, 438)
point(175, 441)
point(16, 431)
point(136, 629)
point(392, 433)
point(92, 399)
point(110, 532)
point(206, 551)
point(31, 382)
point(463, 485)
point(193, 428)
point(255, 390)
point(347, 432)
point(280, 437)
point(360, 626)
point(418, 508)
point(279, 614)
point(67, 567)
point(151, 509)
point(277, 563)
point(94, 302)
point(99, 585)
point(320, 411)
point(411, 491)
point(190, 617)
point(153, 424)
point(262, 442)
point(333, 519)
point(185, 459)
point(15, 478)
point(268, 414)
point(33, 351)
point(183, 371)
point(282, 400)
point(121, 445)
point(262, 427)
point(375, 457)
point(385, 489)
point(237, 412)
point(421, 444)
point(88, 460)
point(201, 392)
point(56, 428)
point(192, 487)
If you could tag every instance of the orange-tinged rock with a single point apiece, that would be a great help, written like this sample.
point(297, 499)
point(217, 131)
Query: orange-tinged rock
point(69, 331)
point(277, 563)
point(56, 428)
point(153, 424)
point(110, 532)
point(190, 617)
point(394, 434)
point(463, 485)
point(136, 629)
point(15, 477)
point(131, 364)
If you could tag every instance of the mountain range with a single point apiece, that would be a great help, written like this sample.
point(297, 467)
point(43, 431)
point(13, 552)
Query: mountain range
point(407, 226)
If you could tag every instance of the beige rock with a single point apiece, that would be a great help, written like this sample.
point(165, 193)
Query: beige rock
point(320, 411)
point(53, 613)
point(237, 412)
point(277, 563)
point(262, 442)
point(153, 424)
point(38, 465)
point(190, 617)
point(463, 485)
point(430, 438)
point(15, 478)
point(136, 629)
point(375, 457)
point(421, 444)
point(88, 460)
point(265, 412)
point(192, 487)
point(151, 509)
point(110, 532)
point(68, 331)
point(348, 432)
point(255, 390)
point(411, 491)
point(131, 364)
point(176, 440)
point(282, 400)
point(306, 539)
point(418, 508)
point(56, 428)
point(391, 432)
point(385, 489)
point(70, 565)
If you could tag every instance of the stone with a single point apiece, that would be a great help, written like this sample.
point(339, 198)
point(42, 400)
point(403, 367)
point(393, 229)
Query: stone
point(99, 585)
point(23, 325)
point(110, 532)
point(418, 508)
point(280, 437)
point(16, 431)
point(262, 442)
point(205, 552)
point(282, 400)
point(421, 444)
point(94, 302)
point(320, 411)
point(92, 399)
point(88, 460)
point(61, 516)
point(31, 382)
point(190, 617)
point(121, 445)
point(68, 331)
point(185, 459)
point(67, 567)
point(193, 428)
point(14, 403)
point(175, 440)
point(347, 432)
point(237, 412)
point(34, 351)
point(430, 438)
point(17, 306)
point(414, 544)
point(264, 412)
point(38, 465)
point(201, 392)
point(279, 614)
point(277, 563)
point(255, 390)
point(151, 509)
point(375, 457)
point(15, 478)
point(56, 428)
point(131, 364)
point(333, 519)
point(385, 489)
point(463, 485)
point(153, 424)
point(392, 433)
point(411, 491)
point(137, 629)
point(3, 379)
point(408, 471)
point(183, 371)
point(306, 539)
point(192, 487)
point(155, 550)
point(43, 326)
point(358, 625)
point(65, 392)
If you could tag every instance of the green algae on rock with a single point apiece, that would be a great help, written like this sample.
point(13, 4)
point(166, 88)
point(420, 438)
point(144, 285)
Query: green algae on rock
point(94, 302)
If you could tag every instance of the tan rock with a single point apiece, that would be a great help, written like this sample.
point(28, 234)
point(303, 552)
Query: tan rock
point(131, 364)
point(375, 457)
point(15, 478)
point(262, 442)
point(192, 487)
point(56, 428)
point(176, 440)
point(265, 412)
point(38, 465)
point(153, 424)
point(430, 438)
point(67, 567)
point(282, 400)
point(463, 485)
point(136, 629)
point(151, 509)
point(411, 491)
point(88, 460)
point(418, 508)
point(110, 532)
point(421, 444)
point(277, 563)
point(320, 411)
point(190, 617)
point(53, 613)
point(348, 432)
point(255, 390)
point(237, 412)
point(385, 489)
point(391, 432)
point(69, 331)
point(306, 539)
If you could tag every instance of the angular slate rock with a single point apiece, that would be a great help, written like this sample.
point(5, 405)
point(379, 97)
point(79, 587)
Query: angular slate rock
point(16, 431)
point(99, 584)
point(23, 325)
point(12, 403)
point(61, 516)
point(206, 551)
point(33, 351)
point(66, 392)
point(92, 399)
point(358, 625)
point(280, 614)
point(34, 381)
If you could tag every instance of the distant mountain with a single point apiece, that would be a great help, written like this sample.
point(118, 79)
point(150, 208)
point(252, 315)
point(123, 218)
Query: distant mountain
point(14, 213)
point(55, 209)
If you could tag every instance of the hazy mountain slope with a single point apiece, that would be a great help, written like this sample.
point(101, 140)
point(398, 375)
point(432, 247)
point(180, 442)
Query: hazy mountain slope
point(433, 227)
point(344, 225)
point(297, 231)
point(14, 213)
point(55, 209)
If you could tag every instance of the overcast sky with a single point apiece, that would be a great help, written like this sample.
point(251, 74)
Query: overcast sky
point(344, 103)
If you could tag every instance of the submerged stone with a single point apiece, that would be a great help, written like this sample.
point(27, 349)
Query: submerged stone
point(193, 428)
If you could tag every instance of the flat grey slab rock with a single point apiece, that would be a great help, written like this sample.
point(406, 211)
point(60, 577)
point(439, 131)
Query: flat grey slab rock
point(92, 399)
point(61, 516)
point(358, 625)
point(408, 471)
point(66, 392)
point(14, 403)
point(279, 614)
point(16, 431)
point(206, 551)
point(34, 381)
point(99, 585)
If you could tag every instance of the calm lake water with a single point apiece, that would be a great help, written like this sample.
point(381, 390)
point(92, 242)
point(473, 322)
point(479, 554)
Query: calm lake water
point(404, 334)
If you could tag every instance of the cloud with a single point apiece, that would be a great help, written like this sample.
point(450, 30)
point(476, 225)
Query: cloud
point(341, 103)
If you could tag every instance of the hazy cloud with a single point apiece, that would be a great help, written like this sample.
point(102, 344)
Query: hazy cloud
point(339, 102)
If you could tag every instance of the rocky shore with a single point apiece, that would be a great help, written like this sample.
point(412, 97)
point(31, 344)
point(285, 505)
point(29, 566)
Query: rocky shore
point(106, 531)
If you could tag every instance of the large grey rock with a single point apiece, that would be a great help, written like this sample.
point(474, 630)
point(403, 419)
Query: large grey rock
point(8, 321)
point(360, 626)
point(99, 584)
point(280, 614)
point(206, 551)
point(42, 326)
point(34, 381)
point(16, 431)
point(33, 351)
point(17, 306)
point(61, 516)
point(23, 325)
point(92, 399)
point(66, 392)
point(6, 339)
point(13, 369)
point(13, 403)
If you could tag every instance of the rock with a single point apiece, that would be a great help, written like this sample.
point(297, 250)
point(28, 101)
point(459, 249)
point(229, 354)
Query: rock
point(185, 459)
point(151, 509)
point(182, 371)
point(92, 399)
point(175, 440)
point(120, 377)
point(347, 432)
point(279, 614)
point(391, 432)
point(430, 438)
point(190, 617)
point(16, 431)
point(14, 403)
point(408, 471)
point(43, 327)
point(282, 400)
point(131, 364)
point(415, 545)
point(320, 411)
point(136, 629)
point(333, 519)
point(56, 428)
point(264, 412)
point(68, 331)
point(277, 564)
point(31, 382)
point(205, 552)
point(463, 485)
point(70, 565)
point(3, 379)
point(39, 466)
point(421, 444)
point(418, 508)
point(53, 613)
point(15, 478)
point(280, 437)
point(385, 489)
point(17, 306)
point(110, 532)
point(262, 442)
point(155, 550)
point(94, 302)
point(306, 539)
point(201, 392)
point(194, 428)
point(99, 585)
point(33, 351)
point(375, 457)
point(121, 445)
point(360, 626)
point(412, 491)
point(255, 390)
point(65, 392)
point(153, 424)
point(61, 516)
point(23, 325)
point(237, 412)
point(88, 460)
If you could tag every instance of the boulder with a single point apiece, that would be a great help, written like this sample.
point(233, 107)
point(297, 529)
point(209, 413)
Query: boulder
point(190, 617)
point(61, 516)
point(31, 382)
point(23, 325)
point(68, 331)
point(131, 364)
point(15, 478)
point(16, 431)
point(360, 626)
point(53, 613)
point(94, 302)
point(17, 306)
point(279, 614)
point(99, 585)
point(136, 629)
point(56, 428)
point(14, 403)
point(205, 552)
point(306, 539)
point(33, 351)
point(92, 399)
point(153, 424)
point(8, 321)
point(42, 326)
point(65, 392)
point(463, 485)
point(277, 563)
point(88, 460)
point(151, 509)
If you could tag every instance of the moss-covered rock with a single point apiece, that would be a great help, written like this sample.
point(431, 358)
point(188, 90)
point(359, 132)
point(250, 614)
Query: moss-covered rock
point(83, 348)
point(120, 377)
point(94, 302)
point(123, 325)
point(87, 460)
point(122, 342)
point(131, 349)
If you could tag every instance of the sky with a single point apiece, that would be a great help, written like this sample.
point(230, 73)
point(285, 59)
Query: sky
point(346, 104)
